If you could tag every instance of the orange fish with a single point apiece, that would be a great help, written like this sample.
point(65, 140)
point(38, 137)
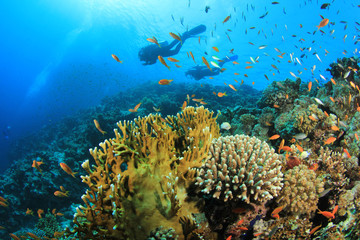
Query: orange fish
point(235, 62)
point(356, 136)
point(276, 106)
point(39, 212)
point(116, 58)
point(192, 56)
point(206, 63)
point(330, 140)
point(172, 59)
point(135, 108)
point(161, 59)
point(97, 125)
point(154, 40)
point(335, 128)
point(335, 209)
point(220, 94)
point(332, 99)
point(13, 236)
point(314, 229)
point(175, 36)
point(299, 148)
point(36, 165)
point(33, 235)
point(156, 109)
point(327, 214)
point(67, 169)
point(229, 237)
point(216, 49)
point(232, 87)
point(59, 214)
point(53, 211)
point(248, 67)
point(286, 149)
point(309, 86)
point(4, 204)
point(61, 194)
point(347, 153)
point(312, 118)
point(178, 66)
point(323, 23)
point(184, 105)
point(275, 213)
point(236, 74)
point(226, 19)
point(165, 81)
point(29, 212)
point(273, 137)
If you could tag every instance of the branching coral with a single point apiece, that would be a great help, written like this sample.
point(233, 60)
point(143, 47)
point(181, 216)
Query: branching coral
point(241, 167)
point(300, 192)
point(159, 154)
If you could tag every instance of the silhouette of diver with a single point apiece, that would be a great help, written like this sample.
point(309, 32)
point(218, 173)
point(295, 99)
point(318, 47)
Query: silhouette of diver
point(149, 54)
point(199, 72)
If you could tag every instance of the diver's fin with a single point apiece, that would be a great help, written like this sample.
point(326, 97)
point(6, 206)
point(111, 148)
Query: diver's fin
point(194, 31)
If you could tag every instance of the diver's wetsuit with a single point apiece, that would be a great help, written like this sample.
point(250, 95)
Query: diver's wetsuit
point(199, 72)
point(149, 54)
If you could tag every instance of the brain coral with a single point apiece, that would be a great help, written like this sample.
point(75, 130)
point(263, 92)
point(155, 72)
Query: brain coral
point(241, 167)
point(301, 190)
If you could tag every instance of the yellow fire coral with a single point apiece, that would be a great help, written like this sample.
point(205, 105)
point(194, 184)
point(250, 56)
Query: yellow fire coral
point(160, 155)
point(241, 167)
point(301, 190)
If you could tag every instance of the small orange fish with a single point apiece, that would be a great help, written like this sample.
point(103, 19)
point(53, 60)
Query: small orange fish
point(226, 19)
point(156, 109)
point(175, 36)
point(33, 236)
point(192, 56)
point(206, 63)
point(332, 99)
point(314, 229)
point(248, 67)
point(13, 236)
point(135, 108)
point(275, 213)
point(220, 94)
point(327, 214)
point(61, 194)
point(335, 209)
point(330, 140)
point(333, 81)
point(67, 169)
point(335, 128)
point(184, 105)
point(240, 222)
point(97, 125)
point(178, 66)
point(286, 149)
point(216, 49)
point(197, 99)
point(236, 73)
point(242, 228)
point(37, 166)
point(165, 81)
point(161, 59)
point(172, 59)
point(309, 86)
point(4, 204)
point(29, 212)
point(39, 212)
point(347, 153)
point(323, 23)
point(356, 136)
point(232, 87)
point(276, 106)
point(299, 148)
point(273, 137)
point(257, 234)
point(59, 214)
point(312, 118)
point(116, 58)
point(229, 237)
point(154, 40)
point(235, 62)
point(53, 211)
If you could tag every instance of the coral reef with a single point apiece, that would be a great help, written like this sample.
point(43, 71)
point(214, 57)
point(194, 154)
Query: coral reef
point(160, 156)
point(241, 167)
point(300, 192)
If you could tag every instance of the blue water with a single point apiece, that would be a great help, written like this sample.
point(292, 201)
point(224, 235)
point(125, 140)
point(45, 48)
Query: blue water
point(56, 55)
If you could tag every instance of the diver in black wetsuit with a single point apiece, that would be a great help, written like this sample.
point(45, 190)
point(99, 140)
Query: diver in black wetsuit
point(149, 54)
point(199, 72)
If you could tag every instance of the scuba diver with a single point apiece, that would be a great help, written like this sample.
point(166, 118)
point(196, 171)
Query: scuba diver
point(199, 72)
point(149, 54)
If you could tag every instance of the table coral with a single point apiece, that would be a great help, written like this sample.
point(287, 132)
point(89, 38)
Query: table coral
point(300, 192)
point(160, 155)
point(241, 167)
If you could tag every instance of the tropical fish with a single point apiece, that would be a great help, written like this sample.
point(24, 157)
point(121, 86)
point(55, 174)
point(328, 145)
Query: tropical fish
point(97, 125)
point(67, 169)
point(192, 56)
point(175, 36)
point(135, 108)
point(161, 59)
point(154, 40)
point(36, 165)
point(216, 49)
point(248, 67)
point(221, 94)
point(172, 59)
point(327, 214)
point(215, 64)
point(275, 213)
point(206, 63)
point(61, 194)
point(273, 137)
point(323, 23)
point(314, 229)
point(13, 236)
point(225, 125)
point(33, 236)
point(309, 86)
point(29, 212)
point(39, 212)
point(232, 87)
point(116, 58)
point(226, 19)
point(330, 140)
point(165, 81)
